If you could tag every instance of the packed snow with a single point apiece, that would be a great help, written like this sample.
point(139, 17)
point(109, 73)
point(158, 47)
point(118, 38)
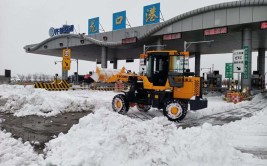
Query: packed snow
point(13, 152)
point(107, 138)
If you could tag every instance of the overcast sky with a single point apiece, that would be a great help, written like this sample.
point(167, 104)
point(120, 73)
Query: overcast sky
point(26, 22)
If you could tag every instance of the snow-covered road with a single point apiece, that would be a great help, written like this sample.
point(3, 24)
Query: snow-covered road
point(107, 138)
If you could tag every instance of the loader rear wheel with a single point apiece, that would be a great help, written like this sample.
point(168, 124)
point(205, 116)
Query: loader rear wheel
point(175, 110)
point(143, 108)
point(120, 104)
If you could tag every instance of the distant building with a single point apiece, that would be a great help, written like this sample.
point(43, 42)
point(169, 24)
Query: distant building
point(6, 78)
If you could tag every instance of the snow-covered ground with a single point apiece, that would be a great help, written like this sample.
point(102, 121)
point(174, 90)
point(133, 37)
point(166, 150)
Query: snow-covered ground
point(107, 138)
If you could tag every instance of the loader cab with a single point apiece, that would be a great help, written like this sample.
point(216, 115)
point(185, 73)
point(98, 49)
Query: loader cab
point(159, 65)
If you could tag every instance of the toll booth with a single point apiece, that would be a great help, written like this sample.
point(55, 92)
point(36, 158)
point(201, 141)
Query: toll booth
point(257, 81)
point(214, 80)
point(6, 79)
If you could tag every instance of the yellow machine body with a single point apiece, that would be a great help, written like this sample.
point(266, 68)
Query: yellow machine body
point(190, 89)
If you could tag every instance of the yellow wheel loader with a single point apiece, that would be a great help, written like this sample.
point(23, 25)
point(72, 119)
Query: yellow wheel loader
point(164, 84)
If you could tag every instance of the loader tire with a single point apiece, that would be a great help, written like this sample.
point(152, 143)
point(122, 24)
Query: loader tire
point(142, 107)
point(175, 110)
point(120, 104)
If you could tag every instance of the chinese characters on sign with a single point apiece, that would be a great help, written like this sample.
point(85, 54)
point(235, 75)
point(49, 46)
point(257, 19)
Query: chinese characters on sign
point(129, 40)
point(246, 63)
point(215, 31)
point(238, 60)
point(66, 55)
point(229, 72)
point(119, 20)
point(264, 25)
point(151, 14)
point(172, 36)
point(66, 29)
point(93, 25)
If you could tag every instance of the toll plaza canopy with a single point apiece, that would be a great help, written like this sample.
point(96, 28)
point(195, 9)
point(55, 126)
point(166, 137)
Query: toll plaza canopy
point(230, 25)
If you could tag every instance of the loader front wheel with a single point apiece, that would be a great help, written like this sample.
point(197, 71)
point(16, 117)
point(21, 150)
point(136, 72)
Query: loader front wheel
point(175, 110)
point(143, 108)
point(120, 104)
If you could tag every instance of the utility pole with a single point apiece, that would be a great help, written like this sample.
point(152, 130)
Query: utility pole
point(77, 73)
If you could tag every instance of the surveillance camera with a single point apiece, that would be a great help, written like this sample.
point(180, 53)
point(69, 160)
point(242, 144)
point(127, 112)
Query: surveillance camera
point(105, 38)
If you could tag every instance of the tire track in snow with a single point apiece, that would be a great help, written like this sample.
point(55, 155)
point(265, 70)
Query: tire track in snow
point(220, 118)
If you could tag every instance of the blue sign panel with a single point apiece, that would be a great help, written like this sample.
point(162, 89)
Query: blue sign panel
point(66, 29)
point(151, 14)
point(93, 25)
point(119, 20)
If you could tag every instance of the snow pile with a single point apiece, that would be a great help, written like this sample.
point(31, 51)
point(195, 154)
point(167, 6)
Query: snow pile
point(14, 152)
point(107, 138)
point(24, 101)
